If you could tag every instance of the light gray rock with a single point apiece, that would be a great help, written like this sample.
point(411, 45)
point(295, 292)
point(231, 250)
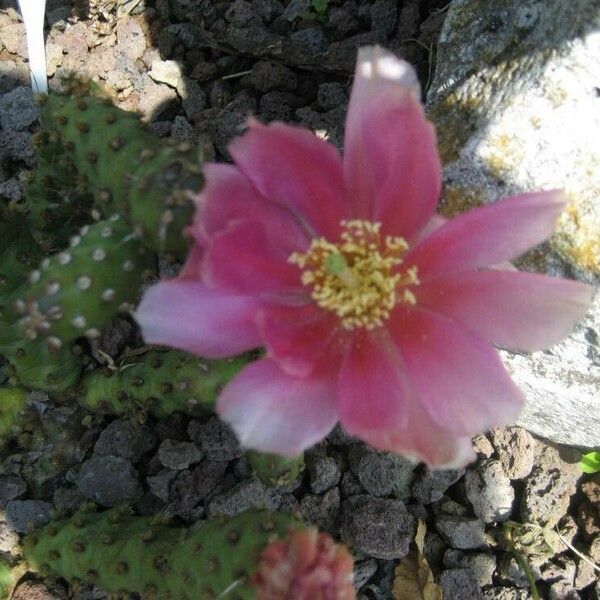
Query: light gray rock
point(109, 480)
point(22, 515)
point(130, 37)
point(515, 103)
point(178, 455)
point(379, 527)
point(166, 71)
point(516, 450)
point(489, 491)
point(548, 488)
point(505, 593)
point(9, 540)
point(463, 533)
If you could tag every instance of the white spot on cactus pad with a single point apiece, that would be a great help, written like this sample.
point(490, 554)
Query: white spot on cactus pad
point(92, 333)
point(99, 254)
point(75, 241)
point(108, 295)
point(64, 258)
point(84, 282)
point(78, 322)
point(34, 276)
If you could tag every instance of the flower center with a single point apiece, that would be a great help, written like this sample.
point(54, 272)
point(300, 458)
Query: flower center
point(358, 278)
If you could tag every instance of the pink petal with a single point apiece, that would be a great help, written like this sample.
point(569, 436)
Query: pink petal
point(487, 235)
point(192, 317)
point(274, 412)
point(459, 378)
point(296, 337)
point(228, 195)
point(242, 259)
point(295, 169)
point(373, 385)
point(391, 162)
point(422, 441)
point(435, 222)
point(523, 311)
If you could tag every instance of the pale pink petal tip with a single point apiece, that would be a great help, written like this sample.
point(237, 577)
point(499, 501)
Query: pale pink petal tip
point(187, 315)
point(376, 67)
point(271, 411)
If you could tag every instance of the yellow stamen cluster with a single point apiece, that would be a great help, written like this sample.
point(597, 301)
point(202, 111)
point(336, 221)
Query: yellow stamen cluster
point(358, 277)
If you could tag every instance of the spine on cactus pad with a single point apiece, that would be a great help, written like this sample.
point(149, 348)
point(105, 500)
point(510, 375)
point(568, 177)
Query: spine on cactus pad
point(254, 555)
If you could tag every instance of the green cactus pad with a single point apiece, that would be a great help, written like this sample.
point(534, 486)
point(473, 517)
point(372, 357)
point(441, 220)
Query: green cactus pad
point(121, 553)
point(273, 469)
point(149, 181)
point(12, 404)
point(77, 291)
point(58, 198)
point(159, 383)
point(40, 367)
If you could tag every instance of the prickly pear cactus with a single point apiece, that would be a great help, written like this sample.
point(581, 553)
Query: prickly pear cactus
point(121, 553)
point(273, 469)
point(40, 367)
point(12, 405)
point(58, 199)
point(77, 291)
point(130, 170)
point(159, 383)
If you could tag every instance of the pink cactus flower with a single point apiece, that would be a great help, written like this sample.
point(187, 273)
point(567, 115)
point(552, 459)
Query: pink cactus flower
point(374, 311)
point(306, 565)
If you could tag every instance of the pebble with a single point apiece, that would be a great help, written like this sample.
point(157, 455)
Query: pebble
point(166, 71)
point(379, 527)
point(269, 75)
point(215, 438)
point(17, 109)
point(321, 510)
point(430, 486)
point(459, 584)
point(516, 450)
point(9, 540)
point(109, 480)
point(331, 94)
point(548, 488)
point(489, 491)
point(130, 37)
point(11, 487)
point(178, 455)
point(22, 515)
point(482, 565)
point(160, 484)
point(126, 439)
point(323, 471)
point(363, 571)
point(382, 473)
point(193, 97)
point(192, 486)
point(36, 590)
point(463, 533)
point(243, 496)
